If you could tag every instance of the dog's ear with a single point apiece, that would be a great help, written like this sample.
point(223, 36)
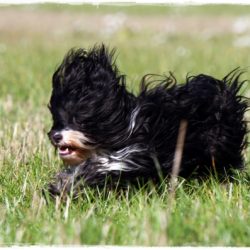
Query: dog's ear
point(94, 68)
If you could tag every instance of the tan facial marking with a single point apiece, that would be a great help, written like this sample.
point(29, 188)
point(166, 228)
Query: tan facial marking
point(73, 148)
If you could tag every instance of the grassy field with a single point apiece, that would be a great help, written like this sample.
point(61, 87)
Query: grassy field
point(33, 41)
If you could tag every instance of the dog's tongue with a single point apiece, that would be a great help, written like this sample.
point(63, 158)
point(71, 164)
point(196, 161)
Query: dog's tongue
point(65, 151)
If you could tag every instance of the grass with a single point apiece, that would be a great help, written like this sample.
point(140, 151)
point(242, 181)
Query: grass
point(208, 213)
point(145, 10)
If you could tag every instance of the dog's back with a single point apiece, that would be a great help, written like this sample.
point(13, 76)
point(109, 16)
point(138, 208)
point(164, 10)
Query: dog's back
point(216, 129)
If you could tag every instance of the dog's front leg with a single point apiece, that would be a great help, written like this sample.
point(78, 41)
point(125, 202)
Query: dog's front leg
point(103, 169)
point(72, 180)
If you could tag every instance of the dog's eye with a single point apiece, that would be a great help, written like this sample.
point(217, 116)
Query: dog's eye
point(75, 120)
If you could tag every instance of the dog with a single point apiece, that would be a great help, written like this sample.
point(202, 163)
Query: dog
point(105, 134)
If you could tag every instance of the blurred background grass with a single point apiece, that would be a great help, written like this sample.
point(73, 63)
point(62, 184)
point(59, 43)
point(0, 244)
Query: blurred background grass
point(183, 39)
point(149, 39)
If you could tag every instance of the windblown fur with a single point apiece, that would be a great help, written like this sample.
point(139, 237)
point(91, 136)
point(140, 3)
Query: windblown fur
point(113, 133)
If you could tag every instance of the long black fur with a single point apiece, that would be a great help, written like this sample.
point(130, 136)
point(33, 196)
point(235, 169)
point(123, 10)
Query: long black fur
point(134, 133)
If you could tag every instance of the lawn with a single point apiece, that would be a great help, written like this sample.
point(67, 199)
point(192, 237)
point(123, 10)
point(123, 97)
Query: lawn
point(149, 39)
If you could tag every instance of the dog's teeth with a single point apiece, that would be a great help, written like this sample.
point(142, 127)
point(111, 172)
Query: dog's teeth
point(64, 150)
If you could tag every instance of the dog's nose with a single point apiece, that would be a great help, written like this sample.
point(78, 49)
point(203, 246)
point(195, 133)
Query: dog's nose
point(57, 137)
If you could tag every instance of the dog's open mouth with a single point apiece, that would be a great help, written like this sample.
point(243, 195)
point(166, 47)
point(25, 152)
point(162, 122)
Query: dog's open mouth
point(66, 150)
point(72, 155)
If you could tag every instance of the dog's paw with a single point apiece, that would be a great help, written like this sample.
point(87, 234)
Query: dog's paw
point(54, 189)
point(62, 185)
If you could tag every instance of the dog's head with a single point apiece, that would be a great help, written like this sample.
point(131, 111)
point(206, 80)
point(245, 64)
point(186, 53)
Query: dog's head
point(86, 94)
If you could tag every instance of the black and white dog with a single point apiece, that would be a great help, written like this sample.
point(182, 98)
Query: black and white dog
point(101, 130)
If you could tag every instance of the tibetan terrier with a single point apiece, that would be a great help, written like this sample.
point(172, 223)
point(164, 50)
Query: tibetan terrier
point(105, 134)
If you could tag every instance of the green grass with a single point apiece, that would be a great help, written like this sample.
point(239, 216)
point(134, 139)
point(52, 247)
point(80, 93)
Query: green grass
point(208, 213)
point(144, 10)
